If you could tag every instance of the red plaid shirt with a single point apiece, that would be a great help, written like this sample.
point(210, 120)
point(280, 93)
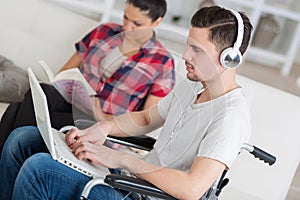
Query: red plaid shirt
point(150, 71)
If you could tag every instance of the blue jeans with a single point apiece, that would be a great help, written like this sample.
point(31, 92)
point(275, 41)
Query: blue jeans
point(22, 143)
point(41, 177)
point(27, 173)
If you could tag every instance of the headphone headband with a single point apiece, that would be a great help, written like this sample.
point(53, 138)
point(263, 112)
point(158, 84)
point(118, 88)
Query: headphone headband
point(231, 57)
point(240, 33)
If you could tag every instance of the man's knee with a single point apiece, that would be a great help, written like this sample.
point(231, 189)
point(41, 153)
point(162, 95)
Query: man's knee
point(37, 162)
point(22, 138)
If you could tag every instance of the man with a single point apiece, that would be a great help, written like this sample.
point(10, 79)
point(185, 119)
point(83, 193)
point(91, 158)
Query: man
point(205, 121)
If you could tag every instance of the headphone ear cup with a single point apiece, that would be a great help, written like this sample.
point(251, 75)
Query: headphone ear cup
point(230, 58)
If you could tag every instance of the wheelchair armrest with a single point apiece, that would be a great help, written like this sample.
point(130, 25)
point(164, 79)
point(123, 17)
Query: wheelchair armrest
point(135, 185)
point(140, 142)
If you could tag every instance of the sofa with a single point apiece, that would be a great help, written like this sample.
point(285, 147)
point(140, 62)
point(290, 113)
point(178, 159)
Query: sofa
point(31, 30)
point(35, 30)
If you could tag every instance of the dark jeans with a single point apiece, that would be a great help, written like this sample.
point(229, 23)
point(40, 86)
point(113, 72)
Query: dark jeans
point(26, 162)
point(20, 114)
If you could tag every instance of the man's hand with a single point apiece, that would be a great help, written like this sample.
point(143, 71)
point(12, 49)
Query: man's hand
point(98, 154)
point(94, 134)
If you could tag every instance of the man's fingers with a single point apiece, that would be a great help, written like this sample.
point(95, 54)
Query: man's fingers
point(79, 149)
point(82, 152)
point(81, 146)
point(72, 135)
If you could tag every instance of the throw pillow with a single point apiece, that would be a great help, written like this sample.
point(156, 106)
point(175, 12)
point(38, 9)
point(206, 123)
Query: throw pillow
point(13, 81)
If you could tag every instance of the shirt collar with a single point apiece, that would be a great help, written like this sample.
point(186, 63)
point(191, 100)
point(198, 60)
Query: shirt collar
point(150, 44)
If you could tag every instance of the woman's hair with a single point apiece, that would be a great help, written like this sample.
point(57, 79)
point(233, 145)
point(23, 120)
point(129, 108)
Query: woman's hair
point(155, 8)
point(223, 27)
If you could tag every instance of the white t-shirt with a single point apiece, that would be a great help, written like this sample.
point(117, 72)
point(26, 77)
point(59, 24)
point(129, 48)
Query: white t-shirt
point(214, 129)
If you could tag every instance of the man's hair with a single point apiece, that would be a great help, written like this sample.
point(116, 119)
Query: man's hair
point(155, 8)
point(223, 27)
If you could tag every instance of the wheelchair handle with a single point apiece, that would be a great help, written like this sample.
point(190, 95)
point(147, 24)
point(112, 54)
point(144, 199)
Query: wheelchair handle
point(260, 154)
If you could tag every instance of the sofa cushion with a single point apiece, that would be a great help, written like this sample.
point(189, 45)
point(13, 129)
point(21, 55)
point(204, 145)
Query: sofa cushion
point(13, 81)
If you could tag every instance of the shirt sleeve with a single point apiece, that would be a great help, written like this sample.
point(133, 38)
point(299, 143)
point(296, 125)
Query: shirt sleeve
point(164, 105)
point(165, 80)
point(83, 46)
point(225, 137)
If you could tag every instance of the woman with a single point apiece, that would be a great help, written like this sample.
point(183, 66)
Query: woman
point(129, 69)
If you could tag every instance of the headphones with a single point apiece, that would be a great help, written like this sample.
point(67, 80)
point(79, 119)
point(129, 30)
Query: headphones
point(231, 57)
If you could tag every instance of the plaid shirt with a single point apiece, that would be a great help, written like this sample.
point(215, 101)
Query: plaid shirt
point(150, 71)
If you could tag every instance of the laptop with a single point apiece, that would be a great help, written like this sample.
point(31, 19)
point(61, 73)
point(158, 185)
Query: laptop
point(55, 140)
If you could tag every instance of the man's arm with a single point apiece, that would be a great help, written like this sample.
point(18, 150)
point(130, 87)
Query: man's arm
point(138, 123)
point(128, 124)
point(181, 185)
point(191, 185)
point(73, 62)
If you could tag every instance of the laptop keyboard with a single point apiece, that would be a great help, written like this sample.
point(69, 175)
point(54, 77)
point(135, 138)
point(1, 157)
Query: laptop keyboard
point(70, 160)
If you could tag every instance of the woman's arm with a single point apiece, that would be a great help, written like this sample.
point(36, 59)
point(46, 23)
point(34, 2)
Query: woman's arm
point(73, 62)
point(100, 115)
point(151, 100)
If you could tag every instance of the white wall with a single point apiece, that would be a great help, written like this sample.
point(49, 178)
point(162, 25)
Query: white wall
point(36, 30)
point(297, 59)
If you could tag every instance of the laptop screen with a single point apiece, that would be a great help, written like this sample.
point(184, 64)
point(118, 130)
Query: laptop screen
point(41, 112)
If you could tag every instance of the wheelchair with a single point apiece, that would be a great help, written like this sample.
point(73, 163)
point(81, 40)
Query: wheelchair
point(144, 188)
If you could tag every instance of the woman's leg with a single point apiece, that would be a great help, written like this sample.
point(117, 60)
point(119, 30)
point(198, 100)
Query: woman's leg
point(61, 112)
point(56, 105)
point(7, 122)
point(20, 145)
point(41, 177)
